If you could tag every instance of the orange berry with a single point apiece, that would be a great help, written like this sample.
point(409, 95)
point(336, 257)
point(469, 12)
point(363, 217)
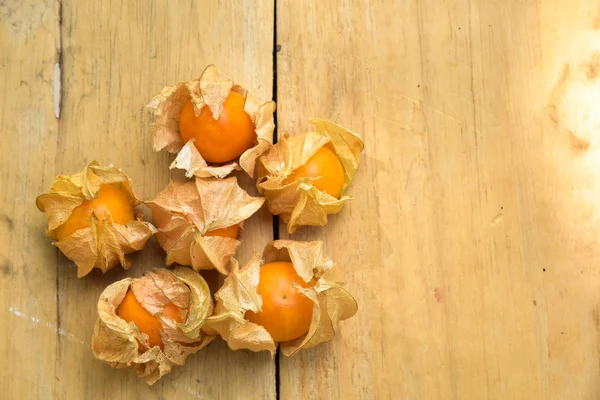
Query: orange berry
point(326, 167)
point(286, 313)
point(131, 310)
point(223, 139)
point(110, 200)
point(230, 232)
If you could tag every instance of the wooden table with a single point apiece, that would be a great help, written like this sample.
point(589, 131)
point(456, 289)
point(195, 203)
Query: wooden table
point(473, 241)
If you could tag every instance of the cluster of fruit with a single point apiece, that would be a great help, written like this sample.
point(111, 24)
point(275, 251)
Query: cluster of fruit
point(292, 297)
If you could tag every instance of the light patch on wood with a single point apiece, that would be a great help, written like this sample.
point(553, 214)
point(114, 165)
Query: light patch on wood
point(574, 100)
point(49, 325)
point(190, 390)
point(57, 90)
point(23, 17)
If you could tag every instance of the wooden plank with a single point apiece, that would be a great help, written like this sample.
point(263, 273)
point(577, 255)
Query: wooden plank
point(116, 55)
point(472, 242)
point(475, 216)
point(28, 131)
point(567, 203)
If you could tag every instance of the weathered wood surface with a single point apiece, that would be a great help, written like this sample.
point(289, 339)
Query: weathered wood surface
point(115, 57)
point(472, 241)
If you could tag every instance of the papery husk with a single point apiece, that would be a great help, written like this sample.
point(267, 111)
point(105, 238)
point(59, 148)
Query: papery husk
point(115, 341)
point(300, 202)
point(210, 90)
point(93, 247)
point(185, 212)
point(332, 303)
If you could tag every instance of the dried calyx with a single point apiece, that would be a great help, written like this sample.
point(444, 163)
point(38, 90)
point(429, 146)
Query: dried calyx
point(91, 218)
point(216, 111)
point(298, 175)
point(198, 221)
point(133, 316)
point(239, 295)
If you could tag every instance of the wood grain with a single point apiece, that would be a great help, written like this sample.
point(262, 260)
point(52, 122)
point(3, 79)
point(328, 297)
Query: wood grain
point(472, 242)
point(28, 132)
point(115, 57)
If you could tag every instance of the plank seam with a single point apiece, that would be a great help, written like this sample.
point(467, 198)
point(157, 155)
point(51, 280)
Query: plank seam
point(57, 97)
point(276, 48)
point(57, 78)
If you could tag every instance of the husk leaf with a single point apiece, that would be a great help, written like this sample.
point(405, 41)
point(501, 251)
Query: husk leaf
point(93, 247)
point(209, 90)
point(300, 202)
point(115, 341)
point(185, 212)
point(239, 294)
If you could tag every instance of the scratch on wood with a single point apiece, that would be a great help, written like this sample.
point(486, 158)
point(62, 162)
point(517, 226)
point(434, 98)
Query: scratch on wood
point(420, 107)
point(57, 90)
point(57, 84)
point(49, 325)
point(190, 390)
point(392, 121)
point(497, 219)
point(443, 114)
